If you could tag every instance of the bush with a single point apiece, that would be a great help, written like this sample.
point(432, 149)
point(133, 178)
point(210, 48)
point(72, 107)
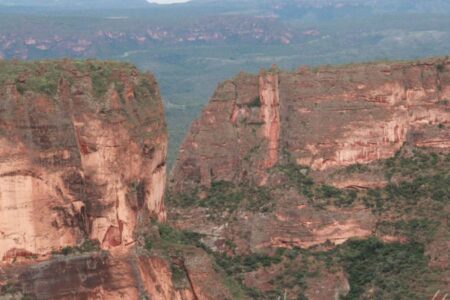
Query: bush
point(148, 244)
point(174, 236)
point(226, 197)
point(390, 270)
point(178, 273)
point(440, 67)
point(422, 230)
point(256, 102)
point(86, 246)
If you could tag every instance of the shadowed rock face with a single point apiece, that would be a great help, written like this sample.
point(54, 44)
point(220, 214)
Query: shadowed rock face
point(103, 276)
point(82, 159)
point(326, 118)
point(81, 155)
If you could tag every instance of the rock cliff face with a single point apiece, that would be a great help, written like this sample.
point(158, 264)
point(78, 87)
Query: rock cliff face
point(314, 159)
point(82, 170)
point(326, 118)
point(75, 163)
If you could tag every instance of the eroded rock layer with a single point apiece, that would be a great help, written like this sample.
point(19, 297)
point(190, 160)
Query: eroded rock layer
point(287, 174)
point(326, 118)
point(83, 149)
point(103, 276)
point(82, 178)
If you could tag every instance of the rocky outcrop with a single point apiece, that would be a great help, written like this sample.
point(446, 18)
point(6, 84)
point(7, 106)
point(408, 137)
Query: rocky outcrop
point(82, 178)
point(103, 276)
point(326, 118)
point(315, 160)
point(270, 114)
point(76, 161)
point(323, 119)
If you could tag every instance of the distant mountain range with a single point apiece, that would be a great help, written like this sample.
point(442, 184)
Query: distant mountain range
point(292, 8)
point(199, 43)
point(80, 4)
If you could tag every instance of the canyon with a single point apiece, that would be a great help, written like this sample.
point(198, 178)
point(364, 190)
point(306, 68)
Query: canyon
point(82, 172)
point(324, 183)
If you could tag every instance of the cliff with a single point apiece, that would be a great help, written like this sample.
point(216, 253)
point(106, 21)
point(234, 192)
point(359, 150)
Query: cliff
point(81, 156)
point(82, 177)
point(326, 118)
point(306, 162)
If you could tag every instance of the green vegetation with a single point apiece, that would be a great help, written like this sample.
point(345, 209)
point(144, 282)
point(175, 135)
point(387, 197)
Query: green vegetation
point(318, 195)
point(238, 265)
point(243, 264)
point(356, 168)
point(226, 197)
point(420, 177)
point(418, 181)
point(413, 207)
point(171, 235)
point(86, 246)
point(256, 102)
point(173, 244)
point(419, 230)
point(7, 288)
point(105, 73)
point(384, 271)
point(179, 275)
point(420, 163)
point(148, 245)
point(43, 76)
point(297, 177)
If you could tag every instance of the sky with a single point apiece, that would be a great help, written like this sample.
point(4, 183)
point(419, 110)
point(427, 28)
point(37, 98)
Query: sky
point(167, 1)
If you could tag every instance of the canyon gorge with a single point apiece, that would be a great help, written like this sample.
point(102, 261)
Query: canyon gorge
point(320, 183)
point(82, 171)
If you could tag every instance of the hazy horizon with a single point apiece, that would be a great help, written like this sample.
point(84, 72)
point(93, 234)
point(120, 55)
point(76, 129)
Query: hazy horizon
point(167, 1)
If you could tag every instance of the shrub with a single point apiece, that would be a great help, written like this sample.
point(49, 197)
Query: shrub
point(440, 67)
point(256, 102)
point(178, 273)
point(172, 235)
point(86, 246)
point(388, 269)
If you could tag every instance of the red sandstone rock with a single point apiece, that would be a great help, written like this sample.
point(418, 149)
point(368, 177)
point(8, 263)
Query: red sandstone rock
point(326, 118)
point(75, 164)
point(86, 161)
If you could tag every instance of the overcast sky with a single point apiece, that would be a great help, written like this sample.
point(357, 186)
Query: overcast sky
point(167, 1)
